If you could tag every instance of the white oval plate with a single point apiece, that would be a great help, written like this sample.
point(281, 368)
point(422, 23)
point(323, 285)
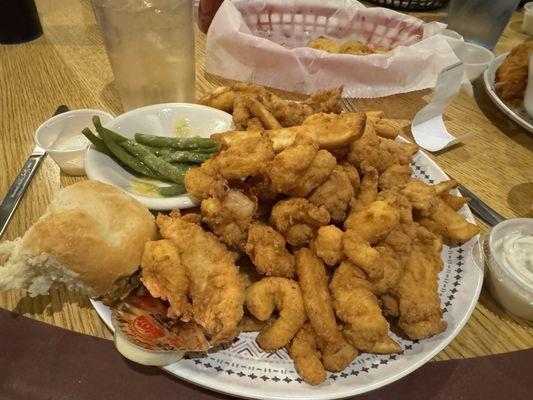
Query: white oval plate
point(520, 116)
point(160, 120)
point(244, 370)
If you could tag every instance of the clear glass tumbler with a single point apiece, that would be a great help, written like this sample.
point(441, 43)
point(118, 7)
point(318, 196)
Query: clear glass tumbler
point(480, 21)
point(150, 45)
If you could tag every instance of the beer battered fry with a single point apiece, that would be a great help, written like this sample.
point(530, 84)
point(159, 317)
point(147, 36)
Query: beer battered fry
point(355, 304)
point(307, 359)
point(445, 186)
point(280, 294)
point(337, 353)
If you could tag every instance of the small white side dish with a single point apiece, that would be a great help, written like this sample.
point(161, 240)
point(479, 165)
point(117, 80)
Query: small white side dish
point(61, 137)
point(160, 120)
point(475, 58)
point(506, 285)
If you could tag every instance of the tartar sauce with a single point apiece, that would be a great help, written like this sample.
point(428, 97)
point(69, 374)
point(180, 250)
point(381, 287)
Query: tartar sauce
point(516, 253)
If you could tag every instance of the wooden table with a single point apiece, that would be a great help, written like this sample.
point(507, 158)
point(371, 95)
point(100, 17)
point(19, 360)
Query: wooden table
point(68, 65)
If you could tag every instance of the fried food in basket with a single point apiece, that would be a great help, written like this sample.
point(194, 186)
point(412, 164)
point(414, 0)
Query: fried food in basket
point(511, 77)
point(335, 229)
point(354, 47)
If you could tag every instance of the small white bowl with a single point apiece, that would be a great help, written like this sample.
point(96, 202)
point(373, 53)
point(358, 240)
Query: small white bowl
point(475, 58)
point(504, 284)
point(160, 120)
point(61, 137)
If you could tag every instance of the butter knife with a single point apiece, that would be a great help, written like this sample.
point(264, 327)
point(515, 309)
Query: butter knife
point(17, 189)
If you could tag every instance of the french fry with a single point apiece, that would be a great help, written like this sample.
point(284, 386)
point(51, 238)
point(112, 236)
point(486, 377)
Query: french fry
point(445, 186)
point(455, 226)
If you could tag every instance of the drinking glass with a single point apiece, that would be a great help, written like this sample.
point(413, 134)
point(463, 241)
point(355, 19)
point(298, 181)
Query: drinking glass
point(150, 45)
point(480, 21)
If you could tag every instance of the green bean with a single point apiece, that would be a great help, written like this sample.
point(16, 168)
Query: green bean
point(188, 143)
point(96, 141)
point(160, 151)
point(123, 155)
point(144, 155)
point(185, 156)
point(208, 150)
point(99, 128)
point(172, 190)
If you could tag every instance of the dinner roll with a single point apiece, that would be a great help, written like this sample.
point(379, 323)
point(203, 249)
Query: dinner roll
point(90, 235)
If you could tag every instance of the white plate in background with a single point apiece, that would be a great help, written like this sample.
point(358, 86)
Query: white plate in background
point(160, 120)
point(520, 116)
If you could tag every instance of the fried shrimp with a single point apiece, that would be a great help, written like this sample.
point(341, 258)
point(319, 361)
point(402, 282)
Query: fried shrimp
point(229, 217)
point(373, 222)
point(328, 245)
point(298, 219)
point(165, 277)
point(266, 248)
point(281, 294)
point(336, 352)
point(205, 181)
point(307, 358)
point(356, 305)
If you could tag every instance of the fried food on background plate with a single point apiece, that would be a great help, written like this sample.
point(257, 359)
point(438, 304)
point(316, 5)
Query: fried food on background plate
point(511, 77)
point(283, 295)
point(216, 290)
point(337, 353)
point(165, 277)
point(358, 308)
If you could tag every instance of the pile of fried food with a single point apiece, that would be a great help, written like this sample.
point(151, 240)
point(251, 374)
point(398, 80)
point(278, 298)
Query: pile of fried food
point(311, 231)
point(511, 77)
point(354, 47)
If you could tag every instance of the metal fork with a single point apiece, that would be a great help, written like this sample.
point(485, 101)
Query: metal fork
point(348, 104)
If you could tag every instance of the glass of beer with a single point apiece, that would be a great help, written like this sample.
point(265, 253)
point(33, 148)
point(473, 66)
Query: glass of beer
point(151, 49)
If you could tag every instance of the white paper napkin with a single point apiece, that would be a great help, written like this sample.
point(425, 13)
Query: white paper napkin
point(428, 127)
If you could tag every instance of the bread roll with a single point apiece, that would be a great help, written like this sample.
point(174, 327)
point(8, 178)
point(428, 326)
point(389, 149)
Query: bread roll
point(90, 235)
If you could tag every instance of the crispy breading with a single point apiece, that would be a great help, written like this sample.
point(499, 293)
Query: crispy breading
point(395, 175)
point(364, 326)
point(420, 313)
point(165, 277)
point(228, 217)
point(298, 220)
point(337, 191)
point(205, 181)
point(216, 290)
point(373, 222)
point(511, 77)
point(307, 358)
point(266, 248)
point(283, 295)
point(247, 157)
point(328, 245)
